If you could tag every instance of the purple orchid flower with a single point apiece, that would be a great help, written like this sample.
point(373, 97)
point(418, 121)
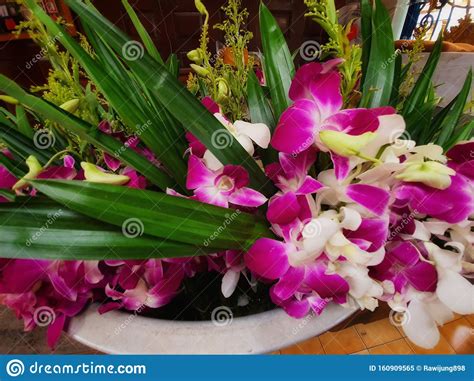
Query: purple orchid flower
point(221, 187)
point(291, 177)
point(404, 265)
point(317, 107)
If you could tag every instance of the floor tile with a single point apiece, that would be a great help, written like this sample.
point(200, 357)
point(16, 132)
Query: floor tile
point(470, 319)
point(460, 335)
point(345, 341)
point(378, 332)
point(308, 347)
point(442, 347)
point(397, 347)
point(363, 352)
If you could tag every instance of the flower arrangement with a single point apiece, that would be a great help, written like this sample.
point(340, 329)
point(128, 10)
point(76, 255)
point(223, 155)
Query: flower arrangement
point(301, 199)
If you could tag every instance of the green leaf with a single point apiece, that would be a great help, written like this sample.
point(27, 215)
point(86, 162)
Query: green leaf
point(35, 229)
point(172, 63)
point(142, 32)
point(17, 169)
point(278, 64)
point(9, 195)
point(418, 94)
point(465, 133)
point(147, 126)
point(21, 146)
point(22, 122)
point(167, 217)
point(366, 34)
point(89, 133)
point(181, 104)
point(451, 120)
point(261, 112)
point(379, 74)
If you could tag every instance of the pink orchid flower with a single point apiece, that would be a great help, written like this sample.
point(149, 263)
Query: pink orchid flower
point(221, 187)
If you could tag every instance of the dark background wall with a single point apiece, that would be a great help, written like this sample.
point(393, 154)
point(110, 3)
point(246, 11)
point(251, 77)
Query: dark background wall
point(174, 26)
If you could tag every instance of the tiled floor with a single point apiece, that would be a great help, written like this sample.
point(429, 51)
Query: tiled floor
point(381, 337)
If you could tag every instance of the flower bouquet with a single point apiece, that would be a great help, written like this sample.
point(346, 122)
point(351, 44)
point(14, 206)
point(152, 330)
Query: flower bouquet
point(295, 188)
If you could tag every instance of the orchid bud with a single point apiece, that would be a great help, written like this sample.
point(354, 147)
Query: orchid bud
point(196, 56)
point(9, 99)
point(222, 89)
point(430, 173)
point(203, 72)
point(344, 144)
point(201, 8)
point(94, 175)
point(70, 106)
point(34, 169)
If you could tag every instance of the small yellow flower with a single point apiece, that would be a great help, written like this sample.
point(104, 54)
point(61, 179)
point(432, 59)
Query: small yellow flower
point(430, 173)
point(195, 56)
point(34, 169)
point(95, 175)
point(70, 106)
point(203, 72)
point(344, 144)
point(9, 99)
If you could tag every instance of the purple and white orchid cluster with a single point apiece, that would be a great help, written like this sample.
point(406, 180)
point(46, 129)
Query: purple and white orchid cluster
point(388, 220)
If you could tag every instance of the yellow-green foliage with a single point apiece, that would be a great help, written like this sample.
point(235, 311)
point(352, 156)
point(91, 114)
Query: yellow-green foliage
point(223, 82)
point(324, 13)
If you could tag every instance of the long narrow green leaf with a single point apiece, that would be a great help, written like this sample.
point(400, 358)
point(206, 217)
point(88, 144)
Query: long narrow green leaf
point(22, 122)
point(142, 32)
point(89, 133)
point(177, 99)
point(419, 91)
point(261, 112)
point(172, 63)
point(147, 126)
point(7, 118)
point(21, 146)
point(17, 169)
point(366, 34)
point(35, 229)
point(464, 134)
point(167, 217)
point(277, 61)
point(379, 75)
point(451, 120)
